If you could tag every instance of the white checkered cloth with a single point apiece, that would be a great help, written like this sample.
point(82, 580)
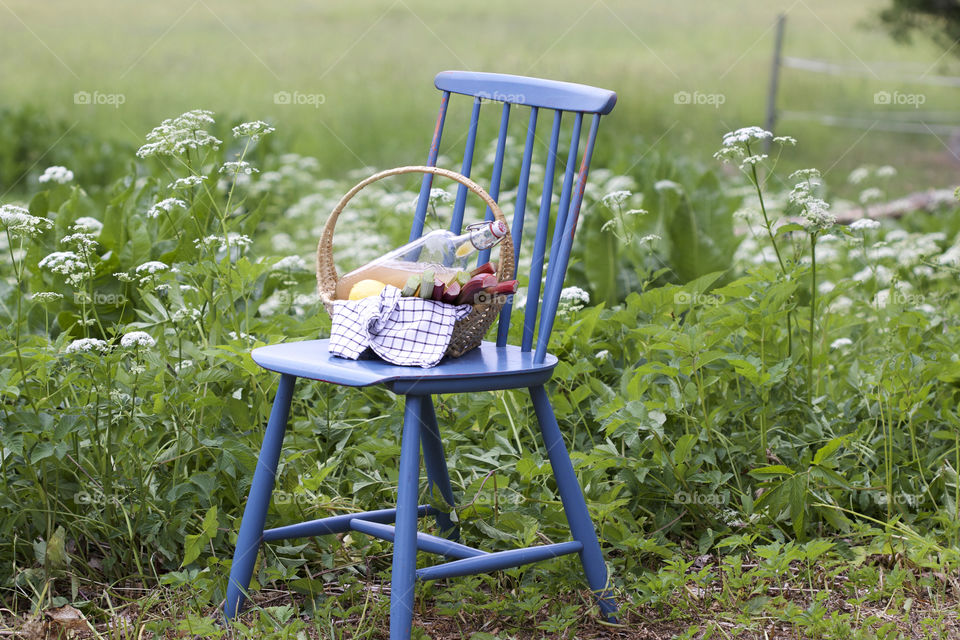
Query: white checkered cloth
point(401, 330)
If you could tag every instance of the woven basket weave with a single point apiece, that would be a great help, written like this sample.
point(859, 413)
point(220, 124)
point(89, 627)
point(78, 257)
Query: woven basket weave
point(468, 332)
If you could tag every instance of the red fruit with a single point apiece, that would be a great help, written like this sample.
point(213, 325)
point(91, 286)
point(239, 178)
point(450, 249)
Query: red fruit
point(451, 293)
point(486, 267)
point(469, 290)
point(438, 289)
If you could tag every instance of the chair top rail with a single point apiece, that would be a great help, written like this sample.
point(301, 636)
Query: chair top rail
point(532, 92)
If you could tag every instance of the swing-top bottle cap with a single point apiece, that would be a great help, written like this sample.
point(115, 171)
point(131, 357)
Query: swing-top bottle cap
point(498, 228)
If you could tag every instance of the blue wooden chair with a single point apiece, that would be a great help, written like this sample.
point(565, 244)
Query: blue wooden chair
point(490, 366)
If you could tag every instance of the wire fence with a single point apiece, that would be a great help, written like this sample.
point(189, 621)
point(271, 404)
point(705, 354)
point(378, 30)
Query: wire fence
point(916, 121)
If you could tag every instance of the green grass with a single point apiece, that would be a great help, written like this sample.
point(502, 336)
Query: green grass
point(374, 61)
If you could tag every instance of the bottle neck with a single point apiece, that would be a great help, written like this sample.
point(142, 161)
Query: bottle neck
point(484, 235)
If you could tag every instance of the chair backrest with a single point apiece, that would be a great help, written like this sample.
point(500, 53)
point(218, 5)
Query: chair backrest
point(534, 94)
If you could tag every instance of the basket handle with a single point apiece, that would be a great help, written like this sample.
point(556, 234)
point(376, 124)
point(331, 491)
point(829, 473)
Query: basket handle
point(326, 270)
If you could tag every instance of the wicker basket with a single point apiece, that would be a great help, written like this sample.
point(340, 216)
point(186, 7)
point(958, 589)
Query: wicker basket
point(468, 332)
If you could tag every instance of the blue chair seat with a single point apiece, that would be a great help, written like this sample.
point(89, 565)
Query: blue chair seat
point(485, 368)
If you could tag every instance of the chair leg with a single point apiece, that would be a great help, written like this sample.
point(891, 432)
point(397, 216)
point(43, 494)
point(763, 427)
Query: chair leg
point(405, 538)
point(436, 464)
point(255, 513)
point(574, 504)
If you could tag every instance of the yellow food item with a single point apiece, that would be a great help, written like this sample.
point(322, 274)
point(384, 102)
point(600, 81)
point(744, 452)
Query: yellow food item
point(366, 288)
point(464, 249)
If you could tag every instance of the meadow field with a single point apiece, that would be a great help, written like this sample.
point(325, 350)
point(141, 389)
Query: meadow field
point(362, 72)
point(761, 403)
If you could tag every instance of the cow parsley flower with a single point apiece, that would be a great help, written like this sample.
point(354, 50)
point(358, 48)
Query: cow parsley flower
point(291, 263)
point(20, 224)
point(667, 185)
point(88, 225)
point(886, 171)
point(167, 205)
point(83, 243)
point(86, 345)
point(186, 183)
point(233, 239)
point(572, 299)
point(439, 196)
point(839, 343)
point(615, 199)
point(65, 263)
point(238, 167)
point(137, 339)
point(253, 130)
point(151, 267)
point(858, 175)
point(814, 210)
point(745, 135)
point(177, 136)
point(870, 194)
point(58, 174)
point(46, 296)
point(864, 224)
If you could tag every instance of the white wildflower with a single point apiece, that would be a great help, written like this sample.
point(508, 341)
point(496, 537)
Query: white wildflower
point(167, 205)
point(667, 185)
point(839, 343)
point(650, 237)
point(864, 224)
point(58, 174)
point(123, 276)
point(46, 296)
point(238, 167)
point(88, 225)
point(615, 199)
point(65, 263)
point(186, 183)
point(572, 299)
point(253, 130)
point(886, 171)
point(20, 223)
point(602, 355)
point(282, 242)
point(291, 263)
point(871, 194)
point(185, 314)
point(810, 175)
point(177, 136)
point(785, 140)
point(151, 267)
point(440, 196)
point(86, 345)
point(753, 160)
point(137, 339)
point(745, 135)
point(233, 239)
point(841, 304)
point(241, 336)
point(826, 287)
point(858, 175)
point(84, 243)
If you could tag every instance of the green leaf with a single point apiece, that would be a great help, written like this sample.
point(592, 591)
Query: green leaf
point(773, 470)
